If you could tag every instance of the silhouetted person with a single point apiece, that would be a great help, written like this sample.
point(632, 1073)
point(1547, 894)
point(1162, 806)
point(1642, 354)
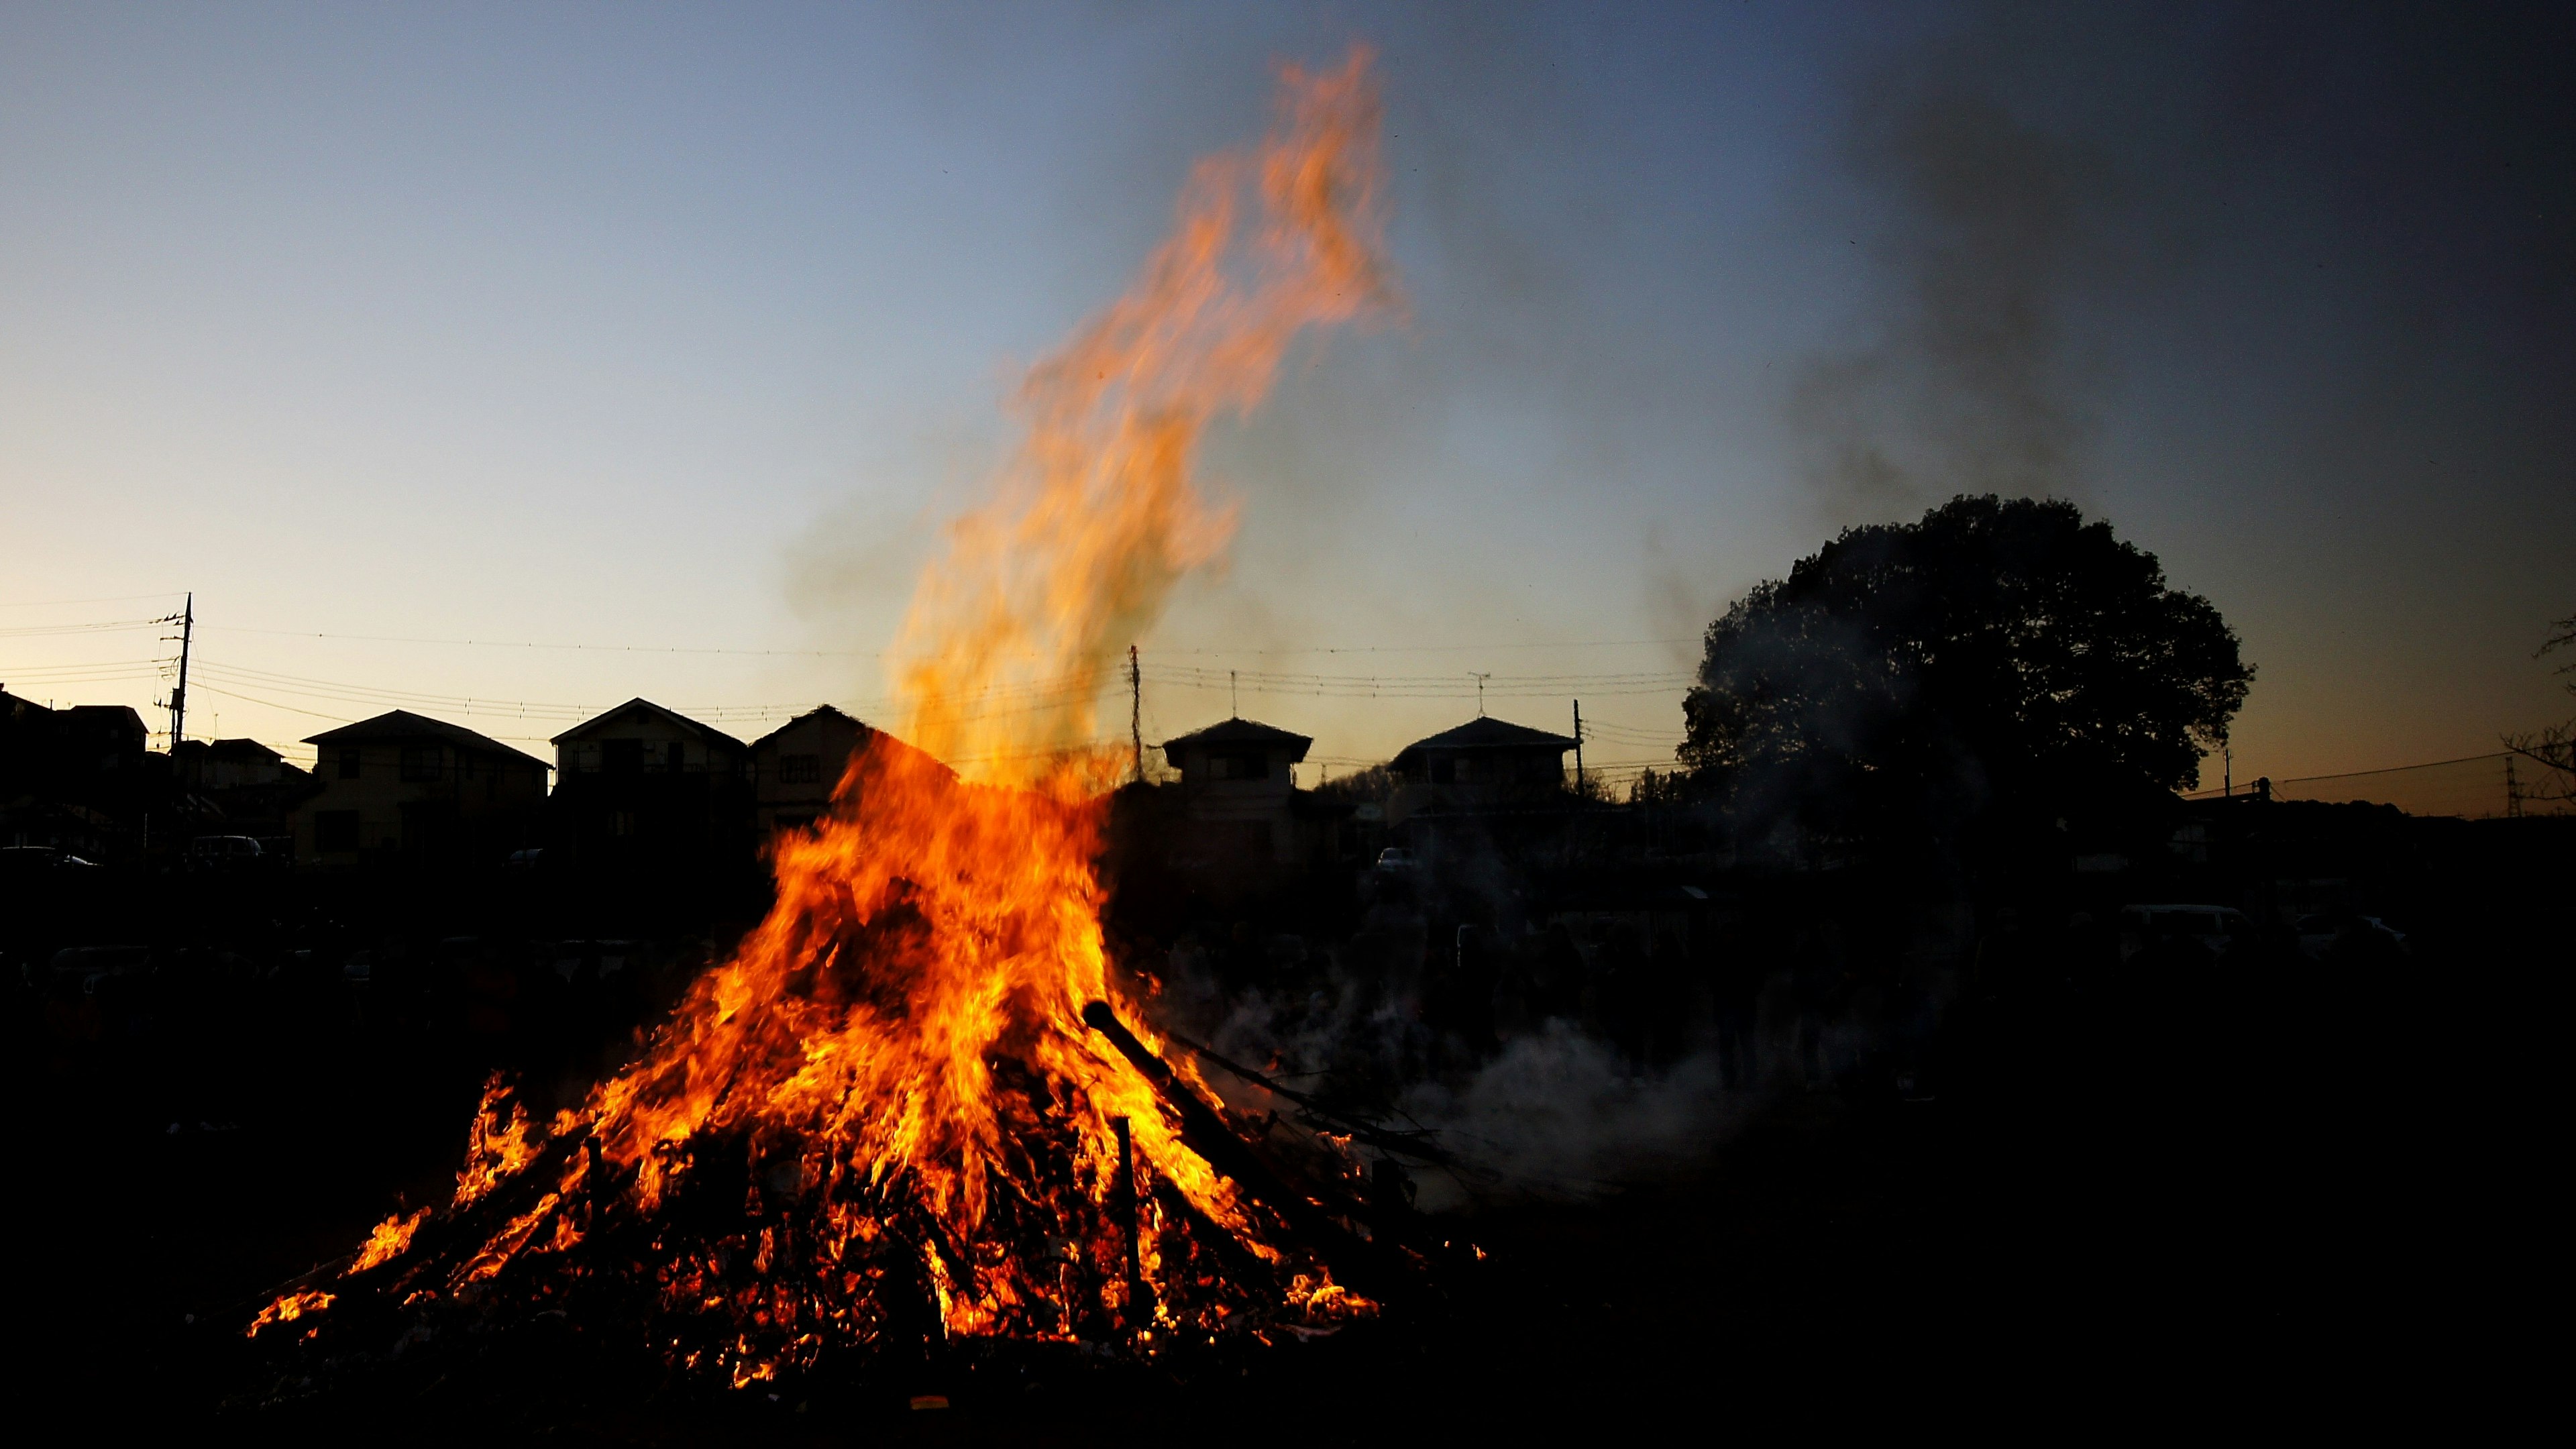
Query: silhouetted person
point(1821, 995)
point(1737, 994)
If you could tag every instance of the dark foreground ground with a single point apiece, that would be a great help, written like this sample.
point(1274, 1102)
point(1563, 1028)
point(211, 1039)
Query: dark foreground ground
point(2213, 1209)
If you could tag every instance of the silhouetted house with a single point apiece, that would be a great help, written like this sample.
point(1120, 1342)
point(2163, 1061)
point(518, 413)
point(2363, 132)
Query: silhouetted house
point(1239, 802)
point(643, 784)
point(237, 787)
point(1483, 765)
point(229, 765)
point(795, 767)
point(403, 786)
point(79, 778)
point(84, 752)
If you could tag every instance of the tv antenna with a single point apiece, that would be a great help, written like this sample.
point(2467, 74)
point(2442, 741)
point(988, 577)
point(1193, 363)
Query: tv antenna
point(1480, 689)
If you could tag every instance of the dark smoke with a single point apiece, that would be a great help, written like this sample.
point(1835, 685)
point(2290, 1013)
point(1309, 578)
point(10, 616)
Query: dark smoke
point(1979, 219)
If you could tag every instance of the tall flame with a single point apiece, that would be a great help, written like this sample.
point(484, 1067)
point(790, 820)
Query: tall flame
point(897, 1054)
point(1100, 516)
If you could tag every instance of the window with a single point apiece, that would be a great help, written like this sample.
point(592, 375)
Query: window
point(349, 755)
point(674, 756)
point(800, 769)
point(335, 832)
point(1239, 767)
point(419, 763)
point(465, 764)
point(622, 757)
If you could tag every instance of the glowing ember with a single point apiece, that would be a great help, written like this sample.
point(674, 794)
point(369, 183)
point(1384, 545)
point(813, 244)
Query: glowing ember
point(885, 1119)
point(288, 1308)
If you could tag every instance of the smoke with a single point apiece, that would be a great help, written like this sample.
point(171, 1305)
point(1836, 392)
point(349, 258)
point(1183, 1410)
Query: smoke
point(1560, 1114)
point(1978, 221)
point(1554, 1112)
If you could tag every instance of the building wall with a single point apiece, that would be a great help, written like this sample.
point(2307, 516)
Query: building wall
point(658, 738)
point(1479, 779)
point(1237, 809)
point(796, 770)
point(452, 795)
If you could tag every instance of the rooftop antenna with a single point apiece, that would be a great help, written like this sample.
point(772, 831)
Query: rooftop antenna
point(1480, 689)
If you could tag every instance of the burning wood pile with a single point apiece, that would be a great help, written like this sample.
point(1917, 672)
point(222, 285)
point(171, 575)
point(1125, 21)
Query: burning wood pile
point(916, 1105)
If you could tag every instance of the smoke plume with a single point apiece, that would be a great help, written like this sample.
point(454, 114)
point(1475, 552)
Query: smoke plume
point(1977, 221)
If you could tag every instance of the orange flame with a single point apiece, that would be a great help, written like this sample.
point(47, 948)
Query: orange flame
point(899, 1038)
point(288, 1308)
point(1099, 518)
point(387, 1243)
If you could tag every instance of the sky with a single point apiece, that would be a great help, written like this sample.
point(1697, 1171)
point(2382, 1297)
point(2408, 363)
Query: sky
point(648, 347)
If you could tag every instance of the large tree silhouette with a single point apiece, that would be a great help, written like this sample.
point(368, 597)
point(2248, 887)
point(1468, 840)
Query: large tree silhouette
point(1982, 673)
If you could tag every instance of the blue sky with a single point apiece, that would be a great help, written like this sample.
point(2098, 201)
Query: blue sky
point(682, 328)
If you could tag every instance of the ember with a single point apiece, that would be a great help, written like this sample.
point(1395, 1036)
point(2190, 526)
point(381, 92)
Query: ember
point(917, 1102)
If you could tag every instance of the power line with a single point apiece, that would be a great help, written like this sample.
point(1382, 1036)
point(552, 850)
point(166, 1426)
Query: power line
point(63, 603)
point(30, 631)
point(526, 644)
point(876, 653)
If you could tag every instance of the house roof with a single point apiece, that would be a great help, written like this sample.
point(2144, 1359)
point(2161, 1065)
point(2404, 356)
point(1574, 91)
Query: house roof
point(820, 711)
point(244, 749)
point(1486, 733)
point(1238, 734)
point(402, 724)
point(598, 724)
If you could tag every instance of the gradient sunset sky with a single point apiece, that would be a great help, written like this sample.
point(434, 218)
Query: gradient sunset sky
point(683, 329)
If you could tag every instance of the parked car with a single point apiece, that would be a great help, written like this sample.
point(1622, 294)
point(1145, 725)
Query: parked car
point(1396, 860)
point(224, 852)
point(2212, 928)
point(90, 965)
point(2322, 936)
point(23, 860)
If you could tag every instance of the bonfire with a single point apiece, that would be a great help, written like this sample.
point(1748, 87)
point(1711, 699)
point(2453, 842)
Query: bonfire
point(917, 1103)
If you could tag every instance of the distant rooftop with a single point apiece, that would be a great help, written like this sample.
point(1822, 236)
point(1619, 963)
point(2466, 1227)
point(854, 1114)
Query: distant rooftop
point(1238, 734)
point(402, 724)
point(820, 711)
point(1486, 733)
point(600, 722)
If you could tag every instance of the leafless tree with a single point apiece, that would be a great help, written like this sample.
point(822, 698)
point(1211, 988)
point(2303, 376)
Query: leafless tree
point(2555, 745)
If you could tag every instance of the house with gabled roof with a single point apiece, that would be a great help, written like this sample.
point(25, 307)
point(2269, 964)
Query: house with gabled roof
point(1238, 805)
point(1481, 766)
point(795, 767)
point(406, 786)
point(645, 784)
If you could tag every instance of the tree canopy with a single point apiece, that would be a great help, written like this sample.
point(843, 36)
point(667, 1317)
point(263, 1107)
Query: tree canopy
point(1992, 662)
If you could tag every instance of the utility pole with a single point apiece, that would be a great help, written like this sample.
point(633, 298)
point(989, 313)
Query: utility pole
point(2227, 772)
point(1233, 696)
point(179, 695)
point(2512, 791)
point(1578, 749)
point(1136, 711)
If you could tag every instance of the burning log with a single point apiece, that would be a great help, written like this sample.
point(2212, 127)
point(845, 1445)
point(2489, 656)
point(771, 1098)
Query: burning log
point(1408, 1144)
point(1204, 1131)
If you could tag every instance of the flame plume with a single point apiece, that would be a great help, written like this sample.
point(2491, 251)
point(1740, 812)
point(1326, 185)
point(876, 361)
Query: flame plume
point(884, 1115)
point(1100, 518)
